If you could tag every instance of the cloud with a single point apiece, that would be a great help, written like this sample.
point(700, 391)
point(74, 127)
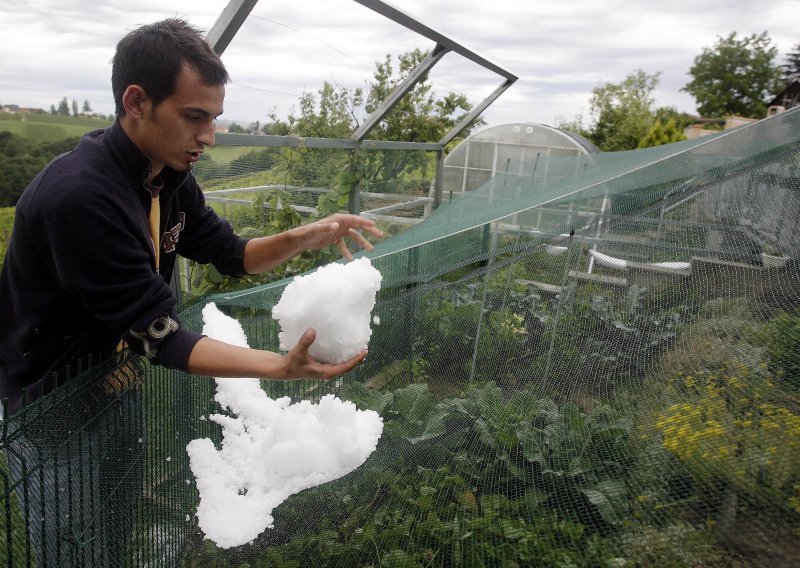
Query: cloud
point(560, 51)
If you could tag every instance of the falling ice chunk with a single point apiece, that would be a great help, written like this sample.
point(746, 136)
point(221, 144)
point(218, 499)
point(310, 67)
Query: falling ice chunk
point(376, 320)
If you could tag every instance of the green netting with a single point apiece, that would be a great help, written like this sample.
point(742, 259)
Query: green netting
point(594, 368)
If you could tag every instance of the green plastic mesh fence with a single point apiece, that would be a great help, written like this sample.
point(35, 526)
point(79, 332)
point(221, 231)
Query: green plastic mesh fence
point(595, 368)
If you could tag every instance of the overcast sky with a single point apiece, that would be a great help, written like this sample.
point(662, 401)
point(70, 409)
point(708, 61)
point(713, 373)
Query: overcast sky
point(560, 50)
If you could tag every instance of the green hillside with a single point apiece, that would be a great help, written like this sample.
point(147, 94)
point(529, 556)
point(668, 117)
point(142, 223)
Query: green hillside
point(48, 127)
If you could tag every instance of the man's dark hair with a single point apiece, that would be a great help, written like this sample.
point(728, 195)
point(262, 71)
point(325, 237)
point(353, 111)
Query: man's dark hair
point(152, 56)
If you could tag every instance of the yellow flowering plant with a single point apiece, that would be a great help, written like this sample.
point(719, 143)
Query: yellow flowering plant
point(730, 427)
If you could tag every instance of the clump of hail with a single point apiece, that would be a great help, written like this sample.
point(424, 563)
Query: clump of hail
point(336, 300)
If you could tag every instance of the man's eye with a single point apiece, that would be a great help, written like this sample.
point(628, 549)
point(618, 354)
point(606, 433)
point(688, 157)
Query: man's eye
point(192, 117)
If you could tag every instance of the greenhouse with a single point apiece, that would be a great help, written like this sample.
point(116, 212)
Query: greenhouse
point(578, 358)
point(482, 155)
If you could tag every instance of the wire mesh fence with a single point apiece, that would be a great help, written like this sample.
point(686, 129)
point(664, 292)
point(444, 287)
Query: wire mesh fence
point(599, 370)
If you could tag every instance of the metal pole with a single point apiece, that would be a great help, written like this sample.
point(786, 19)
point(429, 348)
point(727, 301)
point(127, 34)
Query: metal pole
point(228, 23)
point(439, 182)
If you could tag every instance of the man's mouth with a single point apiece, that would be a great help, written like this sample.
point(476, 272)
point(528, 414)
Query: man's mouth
point(194, 156)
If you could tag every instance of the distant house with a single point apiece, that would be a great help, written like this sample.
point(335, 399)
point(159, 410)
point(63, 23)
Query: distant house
point(789, 98)
point(17, 108)
point(697, 130)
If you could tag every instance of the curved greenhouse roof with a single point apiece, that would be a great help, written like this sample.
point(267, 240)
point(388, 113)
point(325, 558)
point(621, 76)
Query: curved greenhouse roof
point(513, 147)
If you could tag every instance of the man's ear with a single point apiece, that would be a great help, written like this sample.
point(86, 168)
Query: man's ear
point(134, 100)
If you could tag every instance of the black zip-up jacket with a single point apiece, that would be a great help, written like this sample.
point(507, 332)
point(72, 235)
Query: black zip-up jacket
point(79, 272)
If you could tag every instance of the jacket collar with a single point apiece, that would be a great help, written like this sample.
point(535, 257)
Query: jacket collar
point(134, 164)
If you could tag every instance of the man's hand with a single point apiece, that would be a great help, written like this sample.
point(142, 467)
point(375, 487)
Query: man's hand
point(215, 358)
point(265, 253)
point(300, 365)
point(335, 229)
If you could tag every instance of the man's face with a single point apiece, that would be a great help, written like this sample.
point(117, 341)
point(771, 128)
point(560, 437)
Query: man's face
point(176, 131)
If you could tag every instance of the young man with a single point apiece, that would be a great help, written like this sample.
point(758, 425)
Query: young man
point(81, 271)
point(93, 250)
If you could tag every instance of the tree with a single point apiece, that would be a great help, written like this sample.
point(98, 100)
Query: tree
point(74, 107)
point(337, 111)
point(330, 113)
point(21, 160)
point(790, 71)
point(87, 108)
point(63, 107)
point(623, 112)
point(53, 109)
point(419, 117)
point(662, 133)
point(681, 119)
point(575, 125)
point(236, 129)
point(735, 77)
point(276, 127)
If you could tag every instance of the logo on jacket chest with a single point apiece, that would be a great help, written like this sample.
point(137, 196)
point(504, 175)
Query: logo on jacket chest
point(170, 239)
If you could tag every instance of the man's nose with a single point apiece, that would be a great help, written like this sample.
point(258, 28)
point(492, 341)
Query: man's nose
point(206, 136)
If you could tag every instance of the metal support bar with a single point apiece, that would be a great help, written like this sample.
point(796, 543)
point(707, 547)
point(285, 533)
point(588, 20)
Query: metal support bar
point(228, 23)
point(442, 42)
point(400, 91)
point(400, 17)
point(237, 11)
point(417, 202)
point(478, 109)
point(438, 181)
point(248, 202)
point(354, 203)
point(273, 141)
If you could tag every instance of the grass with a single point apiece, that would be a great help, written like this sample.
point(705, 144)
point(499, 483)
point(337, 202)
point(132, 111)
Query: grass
point(6, 224)
point(12, 523)
point(47, 127)
point(250, 180)
point(226, 154)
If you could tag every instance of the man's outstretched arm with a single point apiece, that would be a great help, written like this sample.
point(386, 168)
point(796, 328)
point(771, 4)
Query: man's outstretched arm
point(218, 359)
